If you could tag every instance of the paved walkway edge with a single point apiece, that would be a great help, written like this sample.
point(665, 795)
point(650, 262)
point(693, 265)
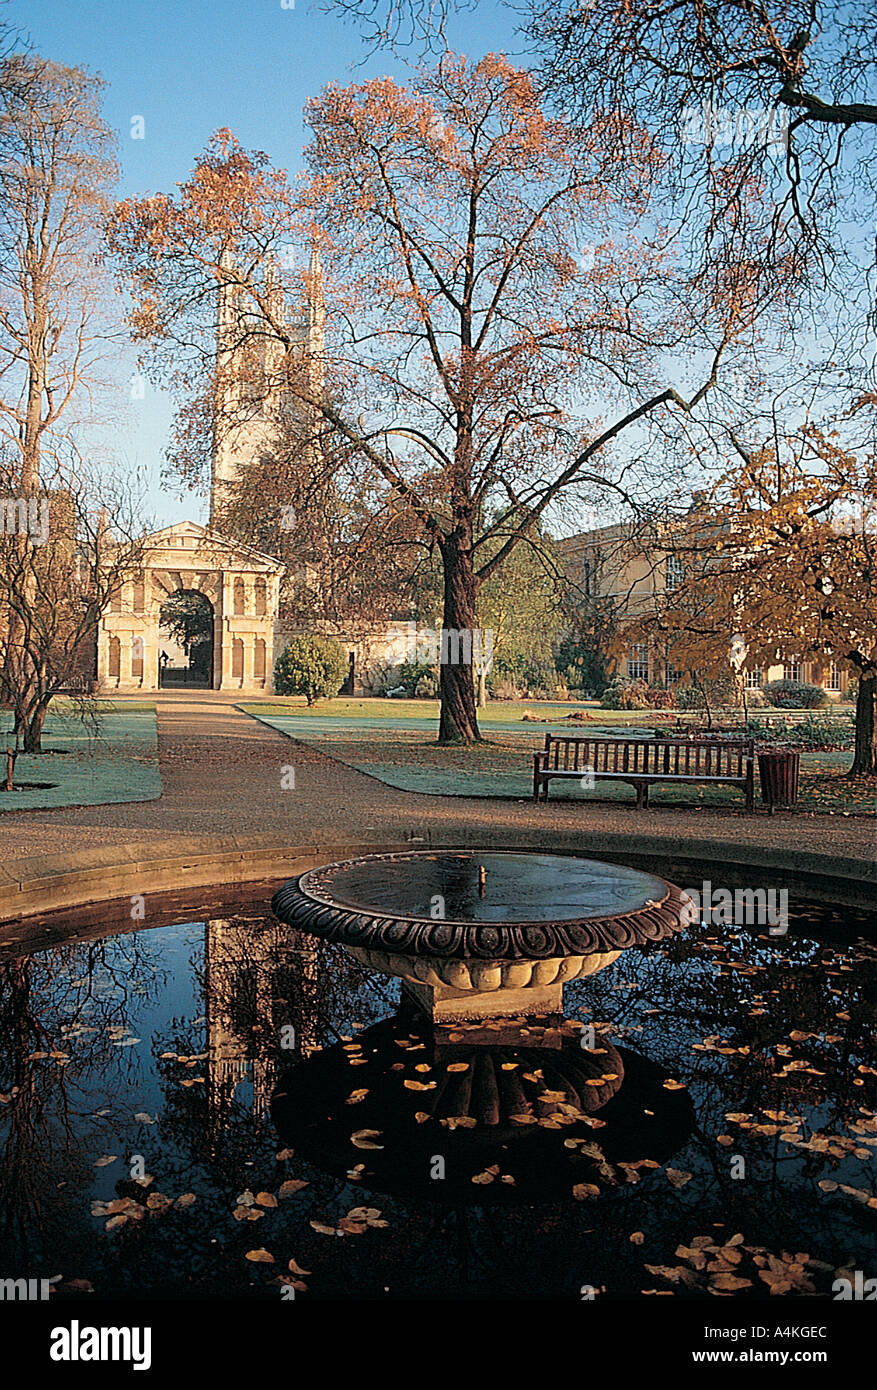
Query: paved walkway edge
point(39, 884)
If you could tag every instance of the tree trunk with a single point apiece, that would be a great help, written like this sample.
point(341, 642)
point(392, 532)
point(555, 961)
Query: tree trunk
point(865, 756)
point(458, 720)
point(33, 734)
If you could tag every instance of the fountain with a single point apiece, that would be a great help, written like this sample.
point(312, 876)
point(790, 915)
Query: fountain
point(482, 935)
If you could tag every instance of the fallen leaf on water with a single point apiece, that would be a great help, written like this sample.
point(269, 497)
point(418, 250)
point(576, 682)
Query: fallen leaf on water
point(291, 1186)
point(730, 1282)
point(677, 1177)
point(107, 1158)
point(364, 1138)
point(260, 1257)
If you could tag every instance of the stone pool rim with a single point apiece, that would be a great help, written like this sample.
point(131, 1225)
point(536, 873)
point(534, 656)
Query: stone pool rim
point(38, 884)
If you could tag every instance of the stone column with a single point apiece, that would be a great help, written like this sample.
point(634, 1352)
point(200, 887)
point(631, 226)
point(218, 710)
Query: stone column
point(102, 661)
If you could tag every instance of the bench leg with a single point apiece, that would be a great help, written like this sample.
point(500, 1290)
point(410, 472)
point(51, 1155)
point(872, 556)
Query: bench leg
point(642, 796)
point(750, 789)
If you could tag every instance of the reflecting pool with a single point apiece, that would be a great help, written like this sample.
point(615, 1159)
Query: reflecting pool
point(209, 1104)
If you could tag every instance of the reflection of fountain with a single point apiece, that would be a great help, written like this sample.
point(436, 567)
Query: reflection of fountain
point(483, 934)
point(253, 970)
point(403, 1110)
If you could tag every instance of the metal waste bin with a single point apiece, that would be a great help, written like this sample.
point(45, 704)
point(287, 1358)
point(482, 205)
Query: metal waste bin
point(778, 773)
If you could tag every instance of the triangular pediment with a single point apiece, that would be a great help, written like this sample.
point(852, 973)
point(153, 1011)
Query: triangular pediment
point(203, 548)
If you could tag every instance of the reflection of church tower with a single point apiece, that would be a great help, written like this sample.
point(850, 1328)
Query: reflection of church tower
point(258, 981)
point(252, 366)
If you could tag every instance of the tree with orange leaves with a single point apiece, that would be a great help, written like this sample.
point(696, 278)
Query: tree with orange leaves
point(780, 562)
point(491, 276)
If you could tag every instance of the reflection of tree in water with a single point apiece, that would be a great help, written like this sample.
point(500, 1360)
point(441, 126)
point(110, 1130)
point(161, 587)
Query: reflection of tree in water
point(253, 977)
point(764, 1015)
point(56, 1012)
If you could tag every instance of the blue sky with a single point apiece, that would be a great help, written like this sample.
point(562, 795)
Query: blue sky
point(188, 67)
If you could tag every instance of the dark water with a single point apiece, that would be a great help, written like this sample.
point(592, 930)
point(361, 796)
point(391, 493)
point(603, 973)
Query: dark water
point(224, 1057)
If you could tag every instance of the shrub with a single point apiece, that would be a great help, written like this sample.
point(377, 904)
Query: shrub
point(315, 667)
point(657, 698)
point(503, 689)
point(581, 664)
point(795, 695)
point(755, 699)
point(688, 698)
point(625, 695)
point(721, 692)
point(534, 680)
point(821, 731)
point(411, 674)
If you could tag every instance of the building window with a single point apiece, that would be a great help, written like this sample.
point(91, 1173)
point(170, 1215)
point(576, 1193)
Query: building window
point(261, 598)
point(674, 675)
point(675, 572)
point(237, 659)
point(793, 670)
point(114, 658)
point(116, 601)
point(239, 607)
point(259, 660)
point(586, 576)
point(137, 657)
point(139, 595)
point(754, 678)
point(832, 679)
point(638, 662)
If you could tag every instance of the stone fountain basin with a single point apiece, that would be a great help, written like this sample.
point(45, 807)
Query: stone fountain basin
point(505, 924)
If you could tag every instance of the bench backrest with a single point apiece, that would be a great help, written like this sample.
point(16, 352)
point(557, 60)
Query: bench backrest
point(668, 757)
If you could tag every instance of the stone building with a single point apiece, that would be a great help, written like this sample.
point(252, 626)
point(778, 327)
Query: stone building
point(238, 587)
point(629, 573)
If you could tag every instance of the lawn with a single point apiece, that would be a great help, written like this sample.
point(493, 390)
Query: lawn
point(394, 741)
point(86, 765)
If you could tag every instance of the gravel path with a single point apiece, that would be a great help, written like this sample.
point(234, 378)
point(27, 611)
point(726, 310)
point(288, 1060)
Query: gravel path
point(222, 773)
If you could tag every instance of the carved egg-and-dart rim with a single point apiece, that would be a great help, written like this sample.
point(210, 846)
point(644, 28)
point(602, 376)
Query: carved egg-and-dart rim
point(302, 904)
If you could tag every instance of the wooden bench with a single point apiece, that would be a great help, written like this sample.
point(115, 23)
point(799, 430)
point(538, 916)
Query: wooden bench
point(642, 761)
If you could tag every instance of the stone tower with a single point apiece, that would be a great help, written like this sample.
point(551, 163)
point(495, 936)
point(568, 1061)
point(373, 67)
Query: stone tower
point(250, 381)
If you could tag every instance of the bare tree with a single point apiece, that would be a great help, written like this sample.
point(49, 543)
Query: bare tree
point(57, 576)
point(57, 168)
point(488, 282)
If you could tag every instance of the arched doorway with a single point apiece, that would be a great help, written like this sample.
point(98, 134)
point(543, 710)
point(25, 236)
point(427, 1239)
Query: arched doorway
point(185, 629)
